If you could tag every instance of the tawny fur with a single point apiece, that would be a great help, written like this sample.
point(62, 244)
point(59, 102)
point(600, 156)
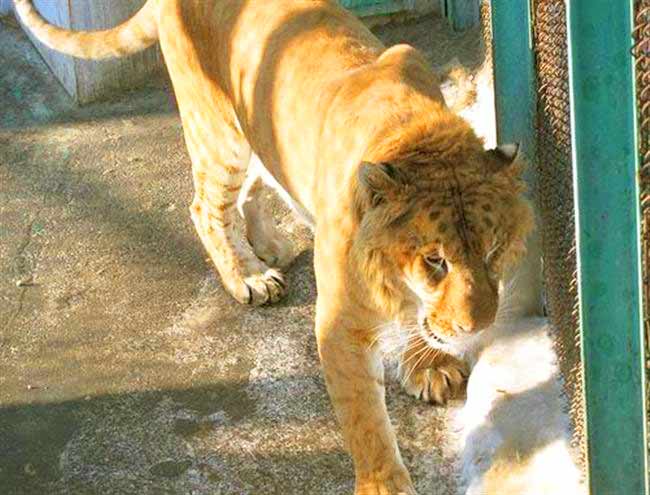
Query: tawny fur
point(307, 88)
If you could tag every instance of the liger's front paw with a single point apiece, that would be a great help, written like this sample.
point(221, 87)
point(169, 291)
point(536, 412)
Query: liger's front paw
point(438, 384)
point(257, 288)
point(398, 483)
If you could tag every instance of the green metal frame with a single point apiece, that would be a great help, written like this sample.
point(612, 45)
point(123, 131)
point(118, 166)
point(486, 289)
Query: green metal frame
point(364, 8)
point(461, 14)
point(514, 74)
point(516, 102)
point(608, 242)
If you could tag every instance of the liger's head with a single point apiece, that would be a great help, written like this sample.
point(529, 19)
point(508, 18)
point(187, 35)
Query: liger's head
point(439, 235)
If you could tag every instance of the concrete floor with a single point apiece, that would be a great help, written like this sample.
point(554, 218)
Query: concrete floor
point(124, 366)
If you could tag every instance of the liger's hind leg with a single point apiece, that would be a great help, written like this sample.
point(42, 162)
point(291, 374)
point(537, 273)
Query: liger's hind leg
point(220, 156)
point(269, 244)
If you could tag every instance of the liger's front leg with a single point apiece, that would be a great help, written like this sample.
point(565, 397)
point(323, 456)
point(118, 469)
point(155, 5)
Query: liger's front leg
point(355, 382)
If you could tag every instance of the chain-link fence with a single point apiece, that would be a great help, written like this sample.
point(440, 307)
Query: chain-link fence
point(555, 198)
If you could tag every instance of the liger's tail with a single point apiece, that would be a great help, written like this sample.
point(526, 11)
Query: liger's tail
point(134, 35)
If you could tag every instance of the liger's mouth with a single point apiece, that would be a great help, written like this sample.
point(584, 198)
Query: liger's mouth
point(431, 333)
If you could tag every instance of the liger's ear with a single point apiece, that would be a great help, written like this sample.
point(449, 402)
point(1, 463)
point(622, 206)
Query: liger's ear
point(377, 180)
point(502, 156)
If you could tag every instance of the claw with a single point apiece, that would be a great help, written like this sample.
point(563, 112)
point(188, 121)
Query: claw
point(435, 385)
point(279, 281)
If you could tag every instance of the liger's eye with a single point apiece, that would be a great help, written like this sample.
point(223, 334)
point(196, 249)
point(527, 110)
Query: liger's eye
point(437, 263)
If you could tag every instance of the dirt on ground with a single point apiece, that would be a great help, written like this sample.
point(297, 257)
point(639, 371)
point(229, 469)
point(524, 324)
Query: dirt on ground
point(124, 366)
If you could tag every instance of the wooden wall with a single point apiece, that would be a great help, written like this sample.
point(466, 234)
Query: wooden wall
point(5, 6)
point(88, 80)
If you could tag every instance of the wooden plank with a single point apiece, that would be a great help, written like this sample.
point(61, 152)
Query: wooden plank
point(6, 6)
point(606, 188)
point(87, 80)
point(96, 79)
point(63, 68)
point(516, 102)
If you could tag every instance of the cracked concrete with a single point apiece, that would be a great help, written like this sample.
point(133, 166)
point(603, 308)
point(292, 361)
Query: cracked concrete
point(124, 367)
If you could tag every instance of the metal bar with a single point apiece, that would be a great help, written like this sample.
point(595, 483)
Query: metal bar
point(607, 230)
point(461, 14)
point(365, 8)
point(514, 73)
point(515, 102)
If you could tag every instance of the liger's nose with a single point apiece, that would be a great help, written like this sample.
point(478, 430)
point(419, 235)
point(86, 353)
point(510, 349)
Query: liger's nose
point(473, 327)
point(459, 328)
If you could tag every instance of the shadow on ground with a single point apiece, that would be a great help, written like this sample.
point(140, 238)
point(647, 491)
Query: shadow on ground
point(159, 442)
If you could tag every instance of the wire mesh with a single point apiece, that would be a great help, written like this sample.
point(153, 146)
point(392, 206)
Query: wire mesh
point(641, 52)
point(555, 200)
point(486, 31)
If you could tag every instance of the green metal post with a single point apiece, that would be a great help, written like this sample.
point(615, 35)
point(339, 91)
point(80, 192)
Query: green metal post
point(516, 101)
point(461, 14)
point(514, 73)
point(607, 230)
point(364, 8)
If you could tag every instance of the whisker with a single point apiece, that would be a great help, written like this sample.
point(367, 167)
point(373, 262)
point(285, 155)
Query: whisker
point(381, 330)
point(402, 347)
point(425, 348)
point(414, 367)
point(393, 336)
point(418, 352)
